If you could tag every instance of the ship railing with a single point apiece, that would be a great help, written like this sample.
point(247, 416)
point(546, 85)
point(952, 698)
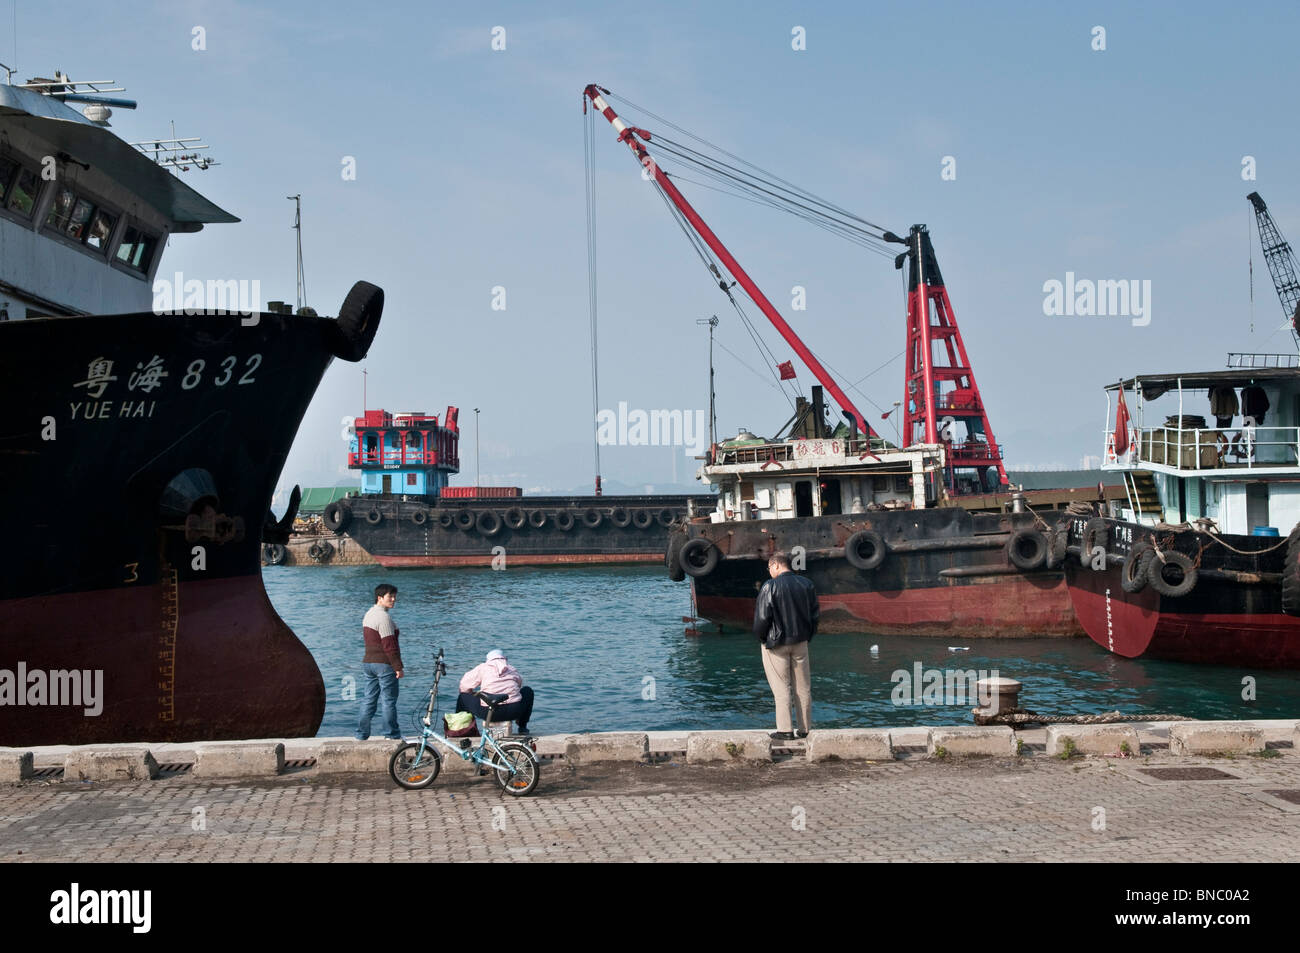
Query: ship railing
point(393, 458)
point(800, 451)
point(1201, 449)
point(1249, 359)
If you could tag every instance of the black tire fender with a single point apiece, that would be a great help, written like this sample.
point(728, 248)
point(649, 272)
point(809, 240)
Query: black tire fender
point(698, 557)
point(666, 517)
point(592, 517)
point(1058, 539)
point(1156, 575)
point(1095, 533)
point(358, 320)
point(488, 523)
point(465, 519)
point(273, 553)
point(643, 519)
point(1027, 549)
point(373, 516)
point(564, 521)
point(536, 518)
point(514, 518)
point(1133, 574)
point(672, 555)
point(620, 517)
point(420, 516)
point(446, 519)
point(337, 516)
point(875, 547)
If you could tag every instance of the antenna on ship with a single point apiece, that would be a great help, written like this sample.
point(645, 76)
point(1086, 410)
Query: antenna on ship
point(177, 154)
point(90, 92)
point(297, 227)
point(712, 322)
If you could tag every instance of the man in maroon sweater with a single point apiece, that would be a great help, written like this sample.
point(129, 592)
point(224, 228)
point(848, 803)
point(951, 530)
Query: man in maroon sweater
point(382, 664)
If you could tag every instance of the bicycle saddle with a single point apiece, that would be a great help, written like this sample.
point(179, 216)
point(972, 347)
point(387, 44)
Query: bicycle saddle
point(491, 699)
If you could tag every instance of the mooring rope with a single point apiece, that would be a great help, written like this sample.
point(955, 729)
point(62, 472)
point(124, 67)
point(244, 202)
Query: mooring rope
point(1020, 716)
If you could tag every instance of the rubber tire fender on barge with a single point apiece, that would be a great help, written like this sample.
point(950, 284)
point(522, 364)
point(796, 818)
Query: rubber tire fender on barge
point(672, 555)
point(1133, 574)
point(1057, 540)
point(592, 517)
point(337, 516)
point(373, 516)
point(643, 519)
point(564, 521)
point(465, 519)
point(876, 552)
point(446, 519)
point(1156, 575)
point(1033, 559)
point(620, 517)
point(1291, 574)
point(1095, 533)
point(695, 549)
point(488, 523)
point(358, 320)
point(536, 518)
point(273, 553)
point(420, 516)
point(514, 518)
point(666, 517)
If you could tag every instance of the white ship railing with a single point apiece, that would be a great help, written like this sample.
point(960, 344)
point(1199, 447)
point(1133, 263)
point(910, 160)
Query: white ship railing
point(1206, 449)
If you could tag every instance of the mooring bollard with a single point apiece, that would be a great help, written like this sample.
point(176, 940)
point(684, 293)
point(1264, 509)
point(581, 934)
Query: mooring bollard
point(996, 695)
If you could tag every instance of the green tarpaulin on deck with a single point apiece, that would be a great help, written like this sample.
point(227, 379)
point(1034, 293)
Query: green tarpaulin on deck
point(316, 498)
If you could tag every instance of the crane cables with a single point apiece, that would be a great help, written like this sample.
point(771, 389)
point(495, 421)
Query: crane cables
point(588, 144)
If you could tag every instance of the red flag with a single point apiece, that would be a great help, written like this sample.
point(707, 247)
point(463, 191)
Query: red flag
point(885, 415)
point(787, 370)
point(1121, 426)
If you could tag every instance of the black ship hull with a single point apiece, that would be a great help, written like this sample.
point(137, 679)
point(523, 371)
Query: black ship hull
point(522, 531)
point(142, 451)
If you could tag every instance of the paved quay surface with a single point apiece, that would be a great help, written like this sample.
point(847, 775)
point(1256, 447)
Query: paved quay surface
point(1034, 808)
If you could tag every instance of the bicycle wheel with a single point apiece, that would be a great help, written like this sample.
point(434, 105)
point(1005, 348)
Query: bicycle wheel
point(412, 773)
point(519, 758)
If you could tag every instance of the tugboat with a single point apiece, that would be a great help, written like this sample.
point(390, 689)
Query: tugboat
point(1200, 573)
point(929, 538)
point(406, 514)
point(140, 447)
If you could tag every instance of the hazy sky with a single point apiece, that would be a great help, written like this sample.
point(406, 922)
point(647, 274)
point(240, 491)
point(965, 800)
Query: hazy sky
point(1117, 164)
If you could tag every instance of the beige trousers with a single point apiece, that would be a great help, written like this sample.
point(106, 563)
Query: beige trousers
point(784, 665)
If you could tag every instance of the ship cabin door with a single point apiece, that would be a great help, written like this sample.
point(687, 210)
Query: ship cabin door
point(1256, 506)
point(388, 483)
point(832, 501)
point(803, 498)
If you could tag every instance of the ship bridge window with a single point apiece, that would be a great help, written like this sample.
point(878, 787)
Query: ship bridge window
point(80, 219)
point(136, 250)
point(18, 187)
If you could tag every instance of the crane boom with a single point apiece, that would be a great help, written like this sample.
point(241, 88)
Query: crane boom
point(630, 135)
point(1281, 264)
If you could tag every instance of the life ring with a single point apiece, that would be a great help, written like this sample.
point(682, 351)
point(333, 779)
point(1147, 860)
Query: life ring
point(420, 516)
point(536, 518)
point(620, 517)
point(643, 519)
point(1133, 574)
point(1181, 563)
point(446, 519)
point(672, 555)
point(488, 523)
point(1058, 539)
point(865, 550)
point(273, 553)
point(1027, 549)
point(373, 516)
point(465, 519)
point(337, 516)
point(666, 517)
point(698, 557)
point(564, 521)
point(358, 320)
point(592, 517)
point(1095, 533)
point(514, 517)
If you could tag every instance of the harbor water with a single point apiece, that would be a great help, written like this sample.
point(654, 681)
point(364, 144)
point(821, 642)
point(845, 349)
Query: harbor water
point(606, 649)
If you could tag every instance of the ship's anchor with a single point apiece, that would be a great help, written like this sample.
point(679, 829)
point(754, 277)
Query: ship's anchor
point(278, 531)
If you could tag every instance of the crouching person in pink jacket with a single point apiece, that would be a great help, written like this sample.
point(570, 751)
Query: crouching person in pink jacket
point(497, 676)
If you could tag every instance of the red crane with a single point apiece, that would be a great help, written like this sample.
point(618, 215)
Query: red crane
point(937, 391)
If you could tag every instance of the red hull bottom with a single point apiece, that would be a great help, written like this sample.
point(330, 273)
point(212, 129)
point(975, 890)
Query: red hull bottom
point(1003, 607)
point(484, 560)
point(220, 664)
point(1134, 626)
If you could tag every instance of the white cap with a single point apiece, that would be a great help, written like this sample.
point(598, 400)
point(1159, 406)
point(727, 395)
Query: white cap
point(495, 653)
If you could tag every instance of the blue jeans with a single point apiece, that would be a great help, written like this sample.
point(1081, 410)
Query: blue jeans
point(381, 680)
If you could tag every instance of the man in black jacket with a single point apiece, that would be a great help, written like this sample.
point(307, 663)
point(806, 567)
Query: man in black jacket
point(785, 620)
